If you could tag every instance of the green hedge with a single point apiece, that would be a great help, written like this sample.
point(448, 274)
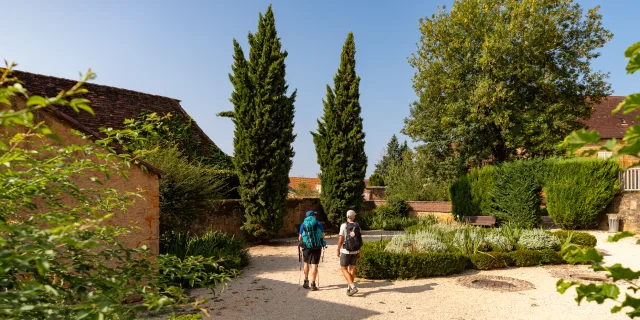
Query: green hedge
point(579, 238)
point(517, 193)
point(491, 260)
point(579, 190)
point(472, 194)
point(379, 264)
point(526, 258)
point(549, 256)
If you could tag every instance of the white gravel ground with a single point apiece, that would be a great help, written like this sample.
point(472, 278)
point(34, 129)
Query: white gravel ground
point(269, 289)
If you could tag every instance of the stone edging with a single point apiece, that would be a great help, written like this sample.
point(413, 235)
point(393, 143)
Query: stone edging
point(518, 285)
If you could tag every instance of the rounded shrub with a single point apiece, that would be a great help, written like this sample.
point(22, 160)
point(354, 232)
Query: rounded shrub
point(550, 256)
point(526, 258)
point(428, 242)
point(491, 260)
point(579, 190)
point(399, 244)
point(397, 207)
point(537, 239)
point(579, 238)
point(497, 241)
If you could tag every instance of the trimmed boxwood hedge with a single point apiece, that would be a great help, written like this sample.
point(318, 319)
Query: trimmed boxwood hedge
point(579, 238)
point(549, 256)
point(376, 263)
point(490, 260)
point(526, 258)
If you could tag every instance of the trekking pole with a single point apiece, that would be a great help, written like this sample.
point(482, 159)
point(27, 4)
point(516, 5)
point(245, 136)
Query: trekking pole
point(300, 263)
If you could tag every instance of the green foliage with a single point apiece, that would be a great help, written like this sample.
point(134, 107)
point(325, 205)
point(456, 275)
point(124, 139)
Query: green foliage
point(472, 194)
point(393, 153)
point(186, 188)
point(578, 238)
point(66, 260)
point(495, 80)
point(194, 272)
point(339, 141)
point(395, 207)
point(550, 256)
point(379, 264)
point(604, 291)
point(406, 179)
point(619, 236)
point(231, 252)
point(376, 180)
point(516, 198)
point(580, 190)
point(385, 222)
point(526, 258)
point(422, 241)
point(497, 241)
point(491, 260)
point(538, 239)
point(263, 116)
point(306, 191)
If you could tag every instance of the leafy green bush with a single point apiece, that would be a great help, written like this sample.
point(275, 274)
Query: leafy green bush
point(517, 192)
point(497, 241)
point(392, 223)
point(538, 239)
point(407, 180)
point(526, 258)
point(232, 251)
point(395, 207)
point(580, 191)
point(491, 260)
point(472, 194)
point(468, 240)
point(550, 256)
point(194, 271)
point(579, 238)
point(376, 180)
point(379, 264)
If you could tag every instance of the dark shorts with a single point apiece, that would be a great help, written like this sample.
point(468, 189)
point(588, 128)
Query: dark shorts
point(348, 259)
point(312, 256)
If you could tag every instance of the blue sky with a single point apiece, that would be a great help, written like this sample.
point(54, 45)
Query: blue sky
point(183, 49)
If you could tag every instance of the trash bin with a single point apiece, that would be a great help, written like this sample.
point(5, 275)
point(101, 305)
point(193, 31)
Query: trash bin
point(614, 223)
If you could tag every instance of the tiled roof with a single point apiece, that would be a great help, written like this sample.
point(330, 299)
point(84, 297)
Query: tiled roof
point(111, 105)
point(608, 125)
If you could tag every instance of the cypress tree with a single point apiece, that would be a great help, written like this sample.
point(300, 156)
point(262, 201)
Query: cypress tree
point(263, 116)
point(340, 140)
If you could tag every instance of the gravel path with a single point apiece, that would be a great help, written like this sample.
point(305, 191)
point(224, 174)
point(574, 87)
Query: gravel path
point(269, 289)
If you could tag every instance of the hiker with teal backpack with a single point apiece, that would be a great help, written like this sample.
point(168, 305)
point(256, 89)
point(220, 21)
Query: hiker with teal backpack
point(312, 242)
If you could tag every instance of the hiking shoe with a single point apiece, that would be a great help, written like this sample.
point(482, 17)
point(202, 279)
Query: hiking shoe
point(306, 284)
point(313, 286)
point(352, 291)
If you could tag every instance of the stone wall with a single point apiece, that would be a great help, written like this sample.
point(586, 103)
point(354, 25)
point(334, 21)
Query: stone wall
point(627, 206)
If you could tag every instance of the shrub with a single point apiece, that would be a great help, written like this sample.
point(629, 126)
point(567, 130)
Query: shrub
point(232, 251)
point(379, 264)
point(492, 260)
point(395, 207)
point(580, 191)
point(538, 239)
point(407, 180)
point(579, 238)
point(400, 243)
point(472, 194)
point(194, 271)
point(468, 240)
point(517, 187)
point(550, 256)
point(428, 242)
point(511, 232)
point(497, 241)
point(526, 258)
point(376, 180)
point(392, 223)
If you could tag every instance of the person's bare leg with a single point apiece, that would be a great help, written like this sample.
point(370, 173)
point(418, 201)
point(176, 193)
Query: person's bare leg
point(306, 271)
point(314, 272)
point(347, 275)
point(352, 271)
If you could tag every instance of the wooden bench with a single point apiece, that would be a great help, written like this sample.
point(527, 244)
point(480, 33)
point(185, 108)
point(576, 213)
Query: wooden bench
point(486, 221)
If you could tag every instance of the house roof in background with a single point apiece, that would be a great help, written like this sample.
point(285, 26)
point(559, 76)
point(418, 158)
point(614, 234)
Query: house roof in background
point(111, 105)
point(607, 124)
point(294, 182)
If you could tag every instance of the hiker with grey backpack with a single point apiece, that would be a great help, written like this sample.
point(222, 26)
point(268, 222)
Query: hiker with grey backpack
point(311, 238)
point(349, 244)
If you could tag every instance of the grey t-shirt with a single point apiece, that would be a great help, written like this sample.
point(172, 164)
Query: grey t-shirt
point(343, 233)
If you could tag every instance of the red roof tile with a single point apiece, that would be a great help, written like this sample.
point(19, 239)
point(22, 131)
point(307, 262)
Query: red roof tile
point(608, 125)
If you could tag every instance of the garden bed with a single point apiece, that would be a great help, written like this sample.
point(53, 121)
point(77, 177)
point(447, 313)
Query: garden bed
point(444, 249)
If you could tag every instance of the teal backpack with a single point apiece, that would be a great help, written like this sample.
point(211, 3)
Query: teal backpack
point(311, 234)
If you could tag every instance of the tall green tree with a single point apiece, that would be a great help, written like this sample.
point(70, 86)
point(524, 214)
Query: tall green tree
point(504, 79)
point(340, 140)
point(393, 153)
point(263, 116)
